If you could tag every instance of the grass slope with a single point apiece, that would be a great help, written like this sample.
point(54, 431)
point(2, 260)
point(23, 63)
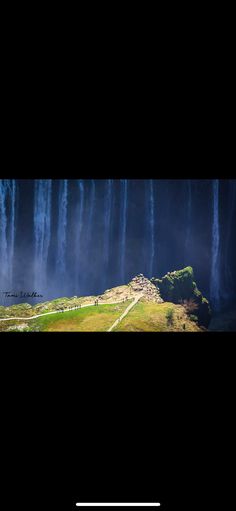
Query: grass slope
point(153, 317)
point(89, 319)
point(27, 310)
point(144, 317)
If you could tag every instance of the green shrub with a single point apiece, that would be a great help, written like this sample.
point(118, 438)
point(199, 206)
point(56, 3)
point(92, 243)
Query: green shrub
point(170, 316)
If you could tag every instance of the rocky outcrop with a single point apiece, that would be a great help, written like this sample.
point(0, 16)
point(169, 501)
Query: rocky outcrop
point(178, 286)
point(150, 292)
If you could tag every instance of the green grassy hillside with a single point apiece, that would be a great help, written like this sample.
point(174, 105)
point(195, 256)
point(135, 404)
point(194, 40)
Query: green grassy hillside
point(152, 317)
point(89, 319)
point(144, 317)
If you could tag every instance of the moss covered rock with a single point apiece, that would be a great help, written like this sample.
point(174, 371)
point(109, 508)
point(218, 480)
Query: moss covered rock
point(176, 285)
point(179, 285)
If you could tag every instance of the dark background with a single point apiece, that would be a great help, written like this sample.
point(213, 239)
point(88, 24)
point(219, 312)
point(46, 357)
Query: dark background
point(132, 417)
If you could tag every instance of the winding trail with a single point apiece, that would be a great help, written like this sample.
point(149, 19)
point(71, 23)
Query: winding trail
point(60, 311)
point(131, 305)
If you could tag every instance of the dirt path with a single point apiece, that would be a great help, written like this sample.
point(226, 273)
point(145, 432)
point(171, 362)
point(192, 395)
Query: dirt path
point(58, 311)
point(131, 305)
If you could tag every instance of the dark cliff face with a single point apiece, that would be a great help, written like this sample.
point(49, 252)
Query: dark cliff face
point(169, 223)
point(179, 286)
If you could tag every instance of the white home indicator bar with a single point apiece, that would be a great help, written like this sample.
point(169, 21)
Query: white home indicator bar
point(118, 504)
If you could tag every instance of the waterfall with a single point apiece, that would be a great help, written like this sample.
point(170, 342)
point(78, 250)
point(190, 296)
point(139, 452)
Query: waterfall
point(62, 226)
point(91, 214)
point(82, 236)
point(189, 215)
point(89, 243)
point(42, 230)
point(3, 232)
point(12, 192)
point(228, 240)
point(78, 235)
point(107, 228)
point(215, 265)
point(123, 227)
point(151, 218)
point(7, 230)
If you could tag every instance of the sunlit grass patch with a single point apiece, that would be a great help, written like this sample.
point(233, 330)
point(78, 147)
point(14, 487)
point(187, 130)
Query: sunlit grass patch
point(89, 319)
point(153, 317)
